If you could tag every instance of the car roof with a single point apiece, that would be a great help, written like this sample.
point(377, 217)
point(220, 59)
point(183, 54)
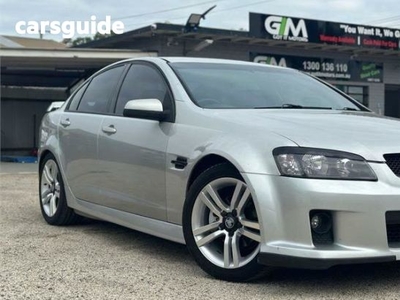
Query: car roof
point(177, 59)
point(206, 60)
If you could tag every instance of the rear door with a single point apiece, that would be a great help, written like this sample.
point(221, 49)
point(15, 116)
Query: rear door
point(78, 132)
point(132, 152)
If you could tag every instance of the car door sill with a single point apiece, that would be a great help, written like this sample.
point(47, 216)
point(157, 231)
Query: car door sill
point(162, 229)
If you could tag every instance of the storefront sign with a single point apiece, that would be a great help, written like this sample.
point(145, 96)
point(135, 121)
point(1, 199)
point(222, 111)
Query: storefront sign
point(320, 32)
point(326, 68)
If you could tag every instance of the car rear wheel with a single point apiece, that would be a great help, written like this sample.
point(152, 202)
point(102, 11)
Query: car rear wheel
point(221, 226)
point(53, 203)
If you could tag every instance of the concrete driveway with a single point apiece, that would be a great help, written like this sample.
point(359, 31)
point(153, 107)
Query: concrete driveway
point(18, 168)
point(98, 260)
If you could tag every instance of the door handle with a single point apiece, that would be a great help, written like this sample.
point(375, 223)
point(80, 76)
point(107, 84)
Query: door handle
point(109, 129)
point(65, 122)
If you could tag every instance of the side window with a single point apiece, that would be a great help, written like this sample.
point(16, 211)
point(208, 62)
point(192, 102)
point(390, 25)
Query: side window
point(99, 91)
point(73, 104)
point(142, 82)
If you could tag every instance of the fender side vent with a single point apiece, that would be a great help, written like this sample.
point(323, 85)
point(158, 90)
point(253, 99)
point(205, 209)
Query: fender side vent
point(180, 162)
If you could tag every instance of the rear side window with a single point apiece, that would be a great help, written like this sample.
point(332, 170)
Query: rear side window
point(99, 91)
point(143, 82)
point(77, 97)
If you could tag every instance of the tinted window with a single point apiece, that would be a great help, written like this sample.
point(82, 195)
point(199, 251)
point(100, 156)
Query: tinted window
point(214, 85)
point(142, 82)
point(77, 97)
point(99, 91)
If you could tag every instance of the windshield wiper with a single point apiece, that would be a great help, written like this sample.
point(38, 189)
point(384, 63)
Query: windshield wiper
point(289, 105)
point(349, 108)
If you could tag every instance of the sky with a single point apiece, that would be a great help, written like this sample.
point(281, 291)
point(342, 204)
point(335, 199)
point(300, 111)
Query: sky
point(229, 14)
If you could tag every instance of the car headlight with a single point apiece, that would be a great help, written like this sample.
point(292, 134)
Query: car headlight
point(322, 164)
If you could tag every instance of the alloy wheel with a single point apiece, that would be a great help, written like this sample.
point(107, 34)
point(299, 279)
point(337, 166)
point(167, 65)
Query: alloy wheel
point(225, 225)
point(50, 188)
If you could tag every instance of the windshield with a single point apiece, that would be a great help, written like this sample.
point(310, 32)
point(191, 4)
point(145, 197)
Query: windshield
point(216, 85)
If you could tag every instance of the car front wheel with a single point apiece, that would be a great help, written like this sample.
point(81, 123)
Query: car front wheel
point(221, 225)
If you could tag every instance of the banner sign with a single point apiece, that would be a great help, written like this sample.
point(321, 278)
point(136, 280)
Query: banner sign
point(325, 68)
point(321, 32)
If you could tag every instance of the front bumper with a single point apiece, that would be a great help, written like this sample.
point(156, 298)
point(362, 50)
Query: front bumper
point(278, 260)
point(358, 211)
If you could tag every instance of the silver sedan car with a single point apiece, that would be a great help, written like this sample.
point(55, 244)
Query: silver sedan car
point(251, 166)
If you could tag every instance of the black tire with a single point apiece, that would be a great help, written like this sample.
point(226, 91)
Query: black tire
point(252, 269)
point(64, 215)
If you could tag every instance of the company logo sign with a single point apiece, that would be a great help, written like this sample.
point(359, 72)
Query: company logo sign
point(290, 29)
point(284, 28)
point(271, 60)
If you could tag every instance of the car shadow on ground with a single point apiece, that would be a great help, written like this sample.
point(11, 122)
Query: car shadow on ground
point(126, 239)
point(350, 281)
point(350, 278)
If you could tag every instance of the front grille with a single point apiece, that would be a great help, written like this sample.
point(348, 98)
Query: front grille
point(393, 161)
point(393, 228)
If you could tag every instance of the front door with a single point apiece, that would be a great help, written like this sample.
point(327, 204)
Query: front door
point(132, 152)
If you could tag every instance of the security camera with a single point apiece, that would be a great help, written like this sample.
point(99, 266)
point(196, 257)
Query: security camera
point(354, 56)
point(153, 26)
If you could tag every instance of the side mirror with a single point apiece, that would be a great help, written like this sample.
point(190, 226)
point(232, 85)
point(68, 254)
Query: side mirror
point(55, 105)
point(151, 109)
